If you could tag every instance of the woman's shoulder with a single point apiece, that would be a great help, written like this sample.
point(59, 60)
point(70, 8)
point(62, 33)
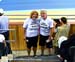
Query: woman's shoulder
point(28, 19)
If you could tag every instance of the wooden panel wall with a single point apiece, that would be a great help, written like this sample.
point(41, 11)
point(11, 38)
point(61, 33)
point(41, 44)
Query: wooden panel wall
point(72, 29)
point(19, 43)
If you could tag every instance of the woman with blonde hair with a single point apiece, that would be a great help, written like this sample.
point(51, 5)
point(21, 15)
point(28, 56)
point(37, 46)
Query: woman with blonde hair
point(31, 27)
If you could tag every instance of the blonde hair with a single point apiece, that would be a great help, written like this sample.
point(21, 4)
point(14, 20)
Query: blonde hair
point(33, 13)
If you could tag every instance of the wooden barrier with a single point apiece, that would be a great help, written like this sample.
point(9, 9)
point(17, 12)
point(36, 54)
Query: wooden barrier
point(19, 43)
point(72, 29)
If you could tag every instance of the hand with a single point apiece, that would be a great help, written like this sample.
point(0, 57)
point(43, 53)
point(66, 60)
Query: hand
point(24, 38)
point(47, 40)
point(27, 41)
point(50, 38)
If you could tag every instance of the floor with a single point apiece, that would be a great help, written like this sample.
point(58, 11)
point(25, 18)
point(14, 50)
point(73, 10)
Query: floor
point(24, 53)
point(52, 58)
point(21, 56)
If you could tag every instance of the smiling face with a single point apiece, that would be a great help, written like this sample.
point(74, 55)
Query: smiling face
point(34, 15)
point(43, 14)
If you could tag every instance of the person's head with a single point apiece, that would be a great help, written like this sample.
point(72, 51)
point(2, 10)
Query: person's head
point(34, 15)
point(43, 14)
point(63, 20)
point(1, 11)
point(57, 22)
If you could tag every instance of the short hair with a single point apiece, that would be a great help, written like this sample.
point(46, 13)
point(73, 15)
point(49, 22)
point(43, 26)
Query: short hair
point(64, 20)
point(43, 11)
point(33, 13)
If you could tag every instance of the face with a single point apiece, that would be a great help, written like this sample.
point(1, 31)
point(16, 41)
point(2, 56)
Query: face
point(43, 15)
point(34, 16)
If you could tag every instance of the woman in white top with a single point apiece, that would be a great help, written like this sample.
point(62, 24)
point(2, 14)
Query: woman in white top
point(31, 27)
point(46, 31)
point(2, 45)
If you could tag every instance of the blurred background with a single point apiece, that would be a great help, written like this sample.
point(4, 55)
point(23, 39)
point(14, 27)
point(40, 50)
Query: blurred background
point(19, 10)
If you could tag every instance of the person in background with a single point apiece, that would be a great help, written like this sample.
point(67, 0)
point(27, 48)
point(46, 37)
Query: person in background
point(46, 31)
point(31, 30)
point(56, 25)
point(67, 49)
point(4, 28)
point(62, 30)
point(2, 45)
